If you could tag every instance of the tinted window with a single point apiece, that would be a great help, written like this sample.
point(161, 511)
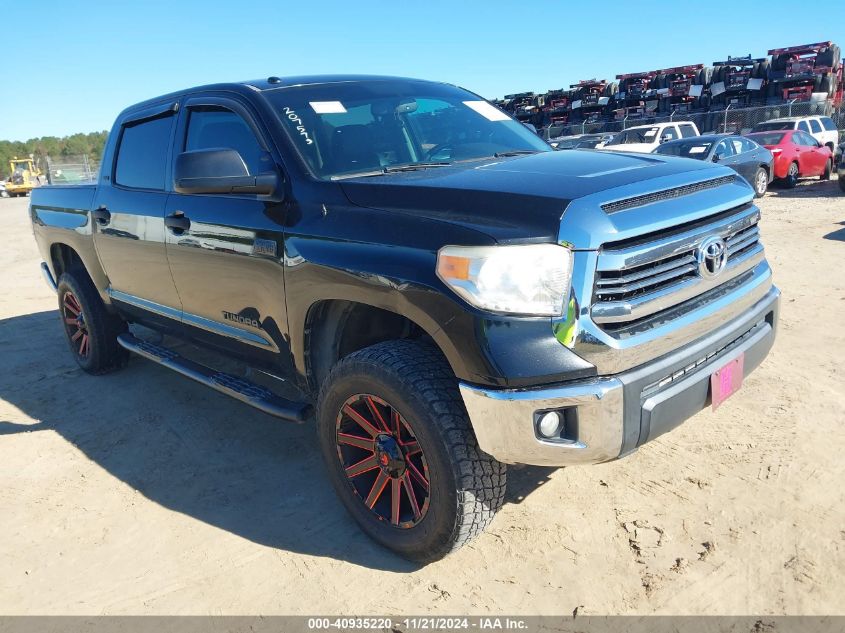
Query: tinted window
point(815, 126)
point(671, 132)
point(828, 124)
point(142, 154)
point(803, 139)
point(693, 148)
point(802, 125)
point(724, 150)
point(635, 135)
point(687, 131)
point(747, 146)
point(215, 127)
point(768, 138)
point(774, 125)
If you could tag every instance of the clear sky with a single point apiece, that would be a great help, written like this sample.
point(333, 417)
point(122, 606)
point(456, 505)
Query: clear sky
point(72, 65)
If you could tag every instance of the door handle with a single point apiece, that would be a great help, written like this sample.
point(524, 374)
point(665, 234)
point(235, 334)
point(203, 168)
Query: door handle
point(177, 222)
point(101, 215)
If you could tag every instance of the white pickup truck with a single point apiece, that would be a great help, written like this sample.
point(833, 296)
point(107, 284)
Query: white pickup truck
point(645, 138)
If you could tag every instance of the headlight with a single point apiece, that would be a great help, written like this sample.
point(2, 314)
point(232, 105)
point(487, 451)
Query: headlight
point(531, 279)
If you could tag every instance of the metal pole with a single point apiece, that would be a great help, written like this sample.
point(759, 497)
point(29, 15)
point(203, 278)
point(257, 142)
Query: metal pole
point(625, 121)
point(725, 125)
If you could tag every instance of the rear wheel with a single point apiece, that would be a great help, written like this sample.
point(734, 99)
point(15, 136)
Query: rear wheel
point(761, 182)
point(791, 176)
point(90, 329)
point(401, 453)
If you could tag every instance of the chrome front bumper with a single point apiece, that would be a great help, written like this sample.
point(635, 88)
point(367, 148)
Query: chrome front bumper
point(614, 415)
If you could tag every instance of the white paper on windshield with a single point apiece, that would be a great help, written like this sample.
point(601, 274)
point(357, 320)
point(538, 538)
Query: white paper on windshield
point(697, 150)
point(487, 110)
point(717, 88)
point(695, 91)
point(755, 84)
point(576, 104)
point(327, 107)
point(650, 133)
point(663, 91)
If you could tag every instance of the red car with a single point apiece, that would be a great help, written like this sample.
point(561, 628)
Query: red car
point(797, 155)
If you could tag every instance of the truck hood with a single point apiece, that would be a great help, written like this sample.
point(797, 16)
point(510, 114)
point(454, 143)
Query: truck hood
point(513, 199)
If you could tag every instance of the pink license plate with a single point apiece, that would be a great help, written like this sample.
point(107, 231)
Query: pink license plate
point(726, 381)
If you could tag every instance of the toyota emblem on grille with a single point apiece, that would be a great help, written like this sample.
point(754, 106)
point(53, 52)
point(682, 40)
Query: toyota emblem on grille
point(712, 256)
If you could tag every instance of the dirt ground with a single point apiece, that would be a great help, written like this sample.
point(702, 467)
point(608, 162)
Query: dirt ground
point(143, 493)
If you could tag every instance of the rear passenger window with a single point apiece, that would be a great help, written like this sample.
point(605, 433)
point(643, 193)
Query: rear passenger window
point(687, 131)
point(802, 125)
point(142, 154)
point(671, 132)
point(815, 126)
point(828, 124)
point(216, 127)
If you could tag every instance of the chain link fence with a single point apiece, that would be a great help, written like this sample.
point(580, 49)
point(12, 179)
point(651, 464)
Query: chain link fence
point(733, 120)
point(68, 170)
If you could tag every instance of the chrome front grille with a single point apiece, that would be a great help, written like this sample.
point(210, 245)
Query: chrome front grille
point(640, 278)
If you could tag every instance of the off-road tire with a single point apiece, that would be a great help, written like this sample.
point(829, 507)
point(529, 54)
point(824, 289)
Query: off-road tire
point(467, 486)
point(102, 328)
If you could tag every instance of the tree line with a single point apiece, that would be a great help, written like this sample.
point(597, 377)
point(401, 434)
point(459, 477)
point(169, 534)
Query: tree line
point(55, 147)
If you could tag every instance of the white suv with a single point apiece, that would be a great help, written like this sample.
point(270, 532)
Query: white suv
point(645, 138)
point(821, 128)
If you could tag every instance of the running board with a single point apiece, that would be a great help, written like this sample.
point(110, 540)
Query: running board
point(243, 390)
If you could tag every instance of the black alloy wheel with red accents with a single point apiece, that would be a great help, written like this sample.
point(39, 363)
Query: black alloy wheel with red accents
point(75, 326)
point(401, 453)
point(383, 460)
point(90, 328)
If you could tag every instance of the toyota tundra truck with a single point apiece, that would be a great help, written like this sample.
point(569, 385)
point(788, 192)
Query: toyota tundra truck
point(414, 273)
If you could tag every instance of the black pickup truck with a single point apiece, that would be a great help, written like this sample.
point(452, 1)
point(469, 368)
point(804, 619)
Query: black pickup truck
point(410, 270)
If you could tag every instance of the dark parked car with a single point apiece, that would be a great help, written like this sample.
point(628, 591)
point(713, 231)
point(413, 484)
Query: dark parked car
point(441, 292)
point(747, 158)
point(841, 171)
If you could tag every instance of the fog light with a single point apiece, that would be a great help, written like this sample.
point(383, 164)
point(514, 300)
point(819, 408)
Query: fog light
point(549, 424)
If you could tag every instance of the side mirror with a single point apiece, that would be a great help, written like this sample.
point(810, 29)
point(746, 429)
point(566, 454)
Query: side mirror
point(665, 138)
point(219, 171)
point(716, 158)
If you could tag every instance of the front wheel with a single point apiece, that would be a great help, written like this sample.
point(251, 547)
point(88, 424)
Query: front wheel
point(791, 176)
point(761, 182)
point(828, 171)
point(401, 453)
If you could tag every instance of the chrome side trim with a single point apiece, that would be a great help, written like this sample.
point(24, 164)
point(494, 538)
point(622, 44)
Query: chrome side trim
point(639, 307)
point(503, 421)
point(187, 318)
point(48, 277)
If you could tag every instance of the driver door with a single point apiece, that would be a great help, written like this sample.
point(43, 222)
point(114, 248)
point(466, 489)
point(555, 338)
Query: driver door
point(226, 253)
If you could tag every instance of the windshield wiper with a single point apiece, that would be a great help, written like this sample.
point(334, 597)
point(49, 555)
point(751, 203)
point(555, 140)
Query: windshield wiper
point(414, 166)
point(516, 152)
point(390, 169)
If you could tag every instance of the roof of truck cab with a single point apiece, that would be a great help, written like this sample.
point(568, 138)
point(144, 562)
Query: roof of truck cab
point(270, 83)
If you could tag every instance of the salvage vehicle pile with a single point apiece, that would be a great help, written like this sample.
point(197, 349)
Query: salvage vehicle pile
point(804, 73)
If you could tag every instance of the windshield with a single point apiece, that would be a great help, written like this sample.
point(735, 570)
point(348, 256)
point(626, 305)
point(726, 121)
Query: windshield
point(774, 125)
point(344, 128)
point(688, 149)
point(767, 138)
point(635, 135)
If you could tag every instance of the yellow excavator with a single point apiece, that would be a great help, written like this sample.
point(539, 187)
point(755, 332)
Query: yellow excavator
point(24, 176)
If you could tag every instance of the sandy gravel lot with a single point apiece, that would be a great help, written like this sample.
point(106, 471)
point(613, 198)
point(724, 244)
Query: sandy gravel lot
point(141, 492)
